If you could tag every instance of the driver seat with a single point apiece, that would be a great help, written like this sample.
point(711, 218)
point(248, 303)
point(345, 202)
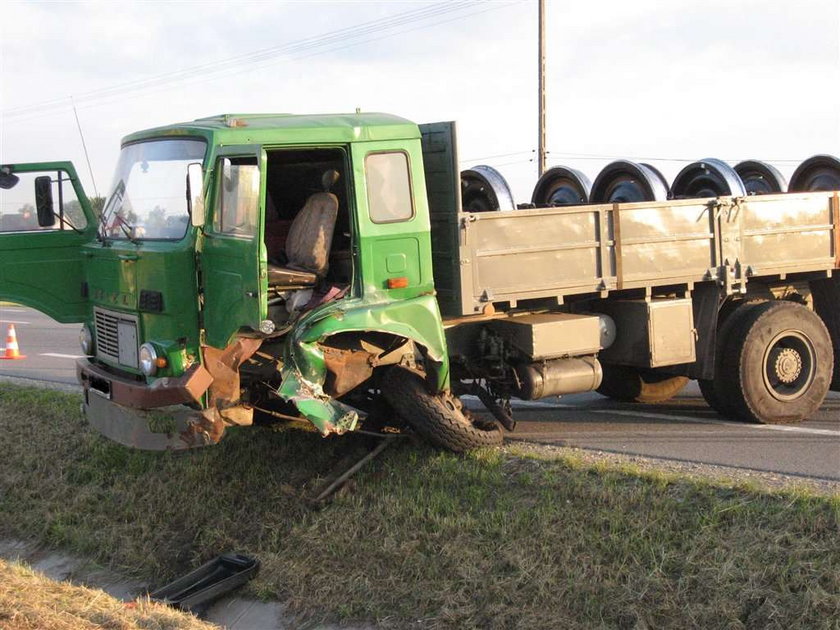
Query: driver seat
point(309, 239)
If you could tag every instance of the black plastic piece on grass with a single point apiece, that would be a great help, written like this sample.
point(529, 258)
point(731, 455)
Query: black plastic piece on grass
point(210, 581)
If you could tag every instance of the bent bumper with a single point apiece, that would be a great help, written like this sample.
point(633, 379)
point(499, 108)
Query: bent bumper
point(149, 417)
point(187, 388)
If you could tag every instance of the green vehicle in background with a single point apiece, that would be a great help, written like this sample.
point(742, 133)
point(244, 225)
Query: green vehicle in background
point(290, 267)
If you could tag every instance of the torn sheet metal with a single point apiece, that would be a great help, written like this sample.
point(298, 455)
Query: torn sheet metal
point(327, 414)
point(306, 365)
point(224, 391)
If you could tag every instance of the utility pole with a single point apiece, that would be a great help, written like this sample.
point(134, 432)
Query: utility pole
point(541, 90)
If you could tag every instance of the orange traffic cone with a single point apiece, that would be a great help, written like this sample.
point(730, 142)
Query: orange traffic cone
point(12, 350)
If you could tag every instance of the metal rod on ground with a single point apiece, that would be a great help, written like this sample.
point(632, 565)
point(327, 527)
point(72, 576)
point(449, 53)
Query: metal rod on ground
point(353, 470)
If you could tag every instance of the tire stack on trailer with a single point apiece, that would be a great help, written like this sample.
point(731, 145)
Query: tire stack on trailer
point(773, 357)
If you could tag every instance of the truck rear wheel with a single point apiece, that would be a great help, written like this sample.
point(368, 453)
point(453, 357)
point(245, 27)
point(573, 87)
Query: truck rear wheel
point(629, 384)
point(716, 391)
point(438, 418)
point(778, 362)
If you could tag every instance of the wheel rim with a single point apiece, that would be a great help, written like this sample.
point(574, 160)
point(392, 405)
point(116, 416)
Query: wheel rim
point(483, 189)
point(707, 178)
point(760, 178)
point(817, 173)
point(789, 365)
point(561, 186)
point(627, 182)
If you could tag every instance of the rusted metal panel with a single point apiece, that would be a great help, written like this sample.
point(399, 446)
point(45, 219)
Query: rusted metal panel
point(223, 366)
point(346, 369)
point(187, 388)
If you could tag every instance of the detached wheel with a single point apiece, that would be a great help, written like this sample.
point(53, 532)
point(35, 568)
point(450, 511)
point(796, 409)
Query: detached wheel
point(483, 189)
point(779, 362)
point(561, 186)
point(817, 173)
point(707, 178)
point(629, 384)
point(437, 418)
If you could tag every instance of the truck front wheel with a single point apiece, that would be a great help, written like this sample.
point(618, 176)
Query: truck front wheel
point(437, 418)
point(779, 363)
point(629, 384)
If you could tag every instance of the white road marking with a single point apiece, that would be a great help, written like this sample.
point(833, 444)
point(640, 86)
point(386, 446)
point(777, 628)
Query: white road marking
point(541, 405)
point(5, 309)
point(61, 356)
point(13, 321)
point(738, 425)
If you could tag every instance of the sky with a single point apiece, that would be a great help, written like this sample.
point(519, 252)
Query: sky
point(666, 83)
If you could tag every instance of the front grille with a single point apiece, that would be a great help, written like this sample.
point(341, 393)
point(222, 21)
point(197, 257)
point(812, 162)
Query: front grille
point(116, 336)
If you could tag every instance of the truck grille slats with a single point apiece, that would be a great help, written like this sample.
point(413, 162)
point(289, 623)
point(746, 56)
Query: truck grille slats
point(116, 337)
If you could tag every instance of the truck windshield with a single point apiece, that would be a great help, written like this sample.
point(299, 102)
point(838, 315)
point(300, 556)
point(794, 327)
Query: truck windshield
point(149, 198)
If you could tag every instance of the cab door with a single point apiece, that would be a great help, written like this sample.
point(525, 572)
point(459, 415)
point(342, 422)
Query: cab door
point(43, 267)
point(232, 275)
point(395, 249)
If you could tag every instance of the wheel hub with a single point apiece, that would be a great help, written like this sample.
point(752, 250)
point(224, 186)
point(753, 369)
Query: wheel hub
point(787, 364)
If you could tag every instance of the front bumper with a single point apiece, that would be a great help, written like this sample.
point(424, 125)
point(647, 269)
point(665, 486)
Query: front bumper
point(150, 417)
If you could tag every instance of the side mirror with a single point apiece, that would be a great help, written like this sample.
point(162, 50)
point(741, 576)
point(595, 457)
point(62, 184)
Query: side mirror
point(195, 194)
point(44, 201)
point(7, 178)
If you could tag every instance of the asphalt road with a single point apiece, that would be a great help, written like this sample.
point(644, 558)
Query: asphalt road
point(683, 429)
point(50, 348)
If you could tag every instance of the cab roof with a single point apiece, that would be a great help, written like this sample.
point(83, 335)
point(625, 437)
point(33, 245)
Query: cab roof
point(287, 129)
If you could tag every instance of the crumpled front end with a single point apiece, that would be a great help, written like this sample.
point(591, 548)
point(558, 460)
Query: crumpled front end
point(169, 414)
point(311, 362)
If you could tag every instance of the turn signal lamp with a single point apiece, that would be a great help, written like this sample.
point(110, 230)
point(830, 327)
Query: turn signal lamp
point(400, 282)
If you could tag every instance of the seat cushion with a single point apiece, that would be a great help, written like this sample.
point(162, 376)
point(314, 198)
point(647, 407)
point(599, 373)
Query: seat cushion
point(286, 277)
point(310, 235)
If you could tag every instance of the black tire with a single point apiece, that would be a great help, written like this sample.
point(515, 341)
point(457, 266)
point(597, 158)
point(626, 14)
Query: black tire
point(437, 418)
point(717, 392)
point(778, 362)
point(629, 384)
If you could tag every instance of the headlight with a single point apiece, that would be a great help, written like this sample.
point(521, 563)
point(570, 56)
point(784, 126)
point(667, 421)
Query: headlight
point(148, 359)
point(86, 340)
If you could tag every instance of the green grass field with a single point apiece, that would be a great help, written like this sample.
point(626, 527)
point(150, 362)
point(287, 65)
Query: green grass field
point(427, 539)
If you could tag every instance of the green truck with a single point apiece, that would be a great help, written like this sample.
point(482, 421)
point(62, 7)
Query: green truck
point(322, 269)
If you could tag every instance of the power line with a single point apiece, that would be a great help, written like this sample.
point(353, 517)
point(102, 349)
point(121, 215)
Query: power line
point(267, 56)
point(591, 156)
point(498, 155)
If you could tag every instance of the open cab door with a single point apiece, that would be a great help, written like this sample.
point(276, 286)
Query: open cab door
point(45, 218)
point(233, 286)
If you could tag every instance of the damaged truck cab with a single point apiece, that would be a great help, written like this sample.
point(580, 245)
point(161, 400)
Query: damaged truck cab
point(340, 270)
point(241, 264)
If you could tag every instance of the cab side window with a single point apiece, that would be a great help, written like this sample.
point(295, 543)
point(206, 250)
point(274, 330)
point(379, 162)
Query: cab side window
point(17, 204)
point(388, 187)
point(238, 199)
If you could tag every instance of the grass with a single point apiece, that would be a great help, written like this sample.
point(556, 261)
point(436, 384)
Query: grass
point(426, 539)
point(30, 601)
